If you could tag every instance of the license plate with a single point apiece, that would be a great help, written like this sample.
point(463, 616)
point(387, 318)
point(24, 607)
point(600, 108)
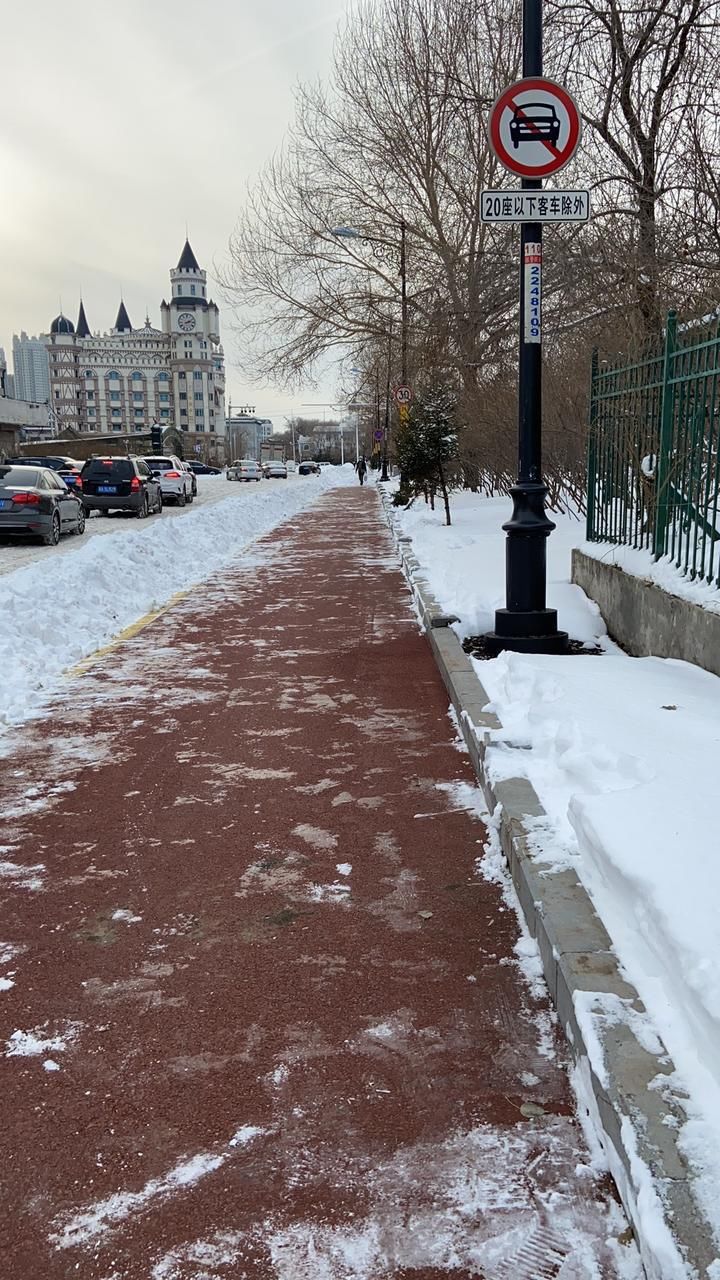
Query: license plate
point(107, 488)
point(2, 503)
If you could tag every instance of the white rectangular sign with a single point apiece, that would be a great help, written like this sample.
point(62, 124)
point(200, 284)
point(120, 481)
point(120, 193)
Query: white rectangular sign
point(535, 206)
point(532, 267)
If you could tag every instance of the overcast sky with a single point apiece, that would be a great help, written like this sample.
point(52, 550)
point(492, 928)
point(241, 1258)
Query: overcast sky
point(120, 123)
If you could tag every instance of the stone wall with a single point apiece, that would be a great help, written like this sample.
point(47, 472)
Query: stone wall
point(645, 620)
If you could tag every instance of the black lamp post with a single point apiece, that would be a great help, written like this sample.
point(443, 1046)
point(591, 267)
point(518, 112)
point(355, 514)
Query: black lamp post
point(526, 625)
point(387, 252)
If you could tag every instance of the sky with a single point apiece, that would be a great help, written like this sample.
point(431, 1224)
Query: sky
point(121, 124)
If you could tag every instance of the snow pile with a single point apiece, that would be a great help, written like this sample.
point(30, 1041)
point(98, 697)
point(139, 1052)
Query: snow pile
point(623, 753)
point(466, 563)
point(663, 573)
point(59, 610)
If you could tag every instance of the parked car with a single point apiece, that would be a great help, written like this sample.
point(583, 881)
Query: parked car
point(204, 469)
point(35, 501)
point(55, 461)
point(245, 469)
point(71, 474)
point(176, 483)
point(193, 477)
point(308, 469)
point(120, 484)
point(275, 471)
point(290, 465)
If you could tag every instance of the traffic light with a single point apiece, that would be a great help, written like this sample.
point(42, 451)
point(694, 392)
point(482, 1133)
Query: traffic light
point(156, 436)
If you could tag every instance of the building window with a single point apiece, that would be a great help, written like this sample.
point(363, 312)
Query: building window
point(57, 395)
point(197, 374)
point(183, 395)
point(192, 289)
point(181, 375)
point(91, 395)
point(91, 413)
point(138, 395)
point(114, 395)
point(198, 395)
point(116, 413)
point(113, 374)
point(163, 397)
point(199, 426)
point(137, 377)
point(164, 413)
point(212, 426)
point(116, 426)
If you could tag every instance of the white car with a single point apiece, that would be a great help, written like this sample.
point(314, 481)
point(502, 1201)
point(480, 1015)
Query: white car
point(175, 480)
point(246, 469)
point(275, 471)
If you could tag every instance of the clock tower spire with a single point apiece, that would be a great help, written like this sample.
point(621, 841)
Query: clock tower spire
point(192, 322)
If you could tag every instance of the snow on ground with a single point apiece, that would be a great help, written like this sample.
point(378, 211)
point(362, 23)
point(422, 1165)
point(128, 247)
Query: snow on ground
point(58, 609)
point(16, 553)
point(623, 753)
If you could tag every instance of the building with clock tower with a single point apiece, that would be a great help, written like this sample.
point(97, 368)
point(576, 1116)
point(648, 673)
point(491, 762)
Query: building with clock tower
point(192, 324)
point(129, 380)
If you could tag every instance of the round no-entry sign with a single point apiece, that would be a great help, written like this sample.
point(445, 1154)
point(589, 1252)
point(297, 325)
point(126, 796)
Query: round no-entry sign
point(534, 127)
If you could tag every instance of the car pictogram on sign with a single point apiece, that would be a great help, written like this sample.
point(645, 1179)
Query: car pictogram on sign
point(533, 121)
point(534, 127)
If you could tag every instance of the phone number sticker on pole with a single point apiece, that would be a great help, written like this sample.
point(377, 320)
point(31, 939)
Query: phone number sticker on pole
point(535, 206)
point(533, 293)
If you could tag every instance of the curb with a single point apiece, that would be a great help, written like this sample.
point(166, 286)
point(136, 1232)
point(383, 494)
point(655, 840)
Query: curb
point(625, 1073)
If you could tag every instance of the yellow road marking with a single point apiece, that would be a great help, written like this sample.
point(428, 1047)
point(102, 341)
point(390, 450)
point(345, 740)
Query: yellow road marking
point(127, 634)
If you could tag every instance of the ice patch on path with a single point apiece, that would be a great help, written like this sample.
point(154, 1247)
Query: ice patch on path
point(485, 1201)
point(343, 868)
point(315, 836)
point(23, 877)
point(71, 1230)
point(125, 916)
point(31, 1044)
point(335, 892)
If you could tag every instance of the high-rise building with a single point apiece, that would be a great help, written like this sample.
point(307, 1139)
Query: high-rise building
point(129, 379)
point(31, 369)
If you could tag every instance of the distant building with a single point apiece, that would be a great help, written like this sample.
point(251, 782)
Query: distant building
point(128, 379)
point(246, 433)
point(31, 369)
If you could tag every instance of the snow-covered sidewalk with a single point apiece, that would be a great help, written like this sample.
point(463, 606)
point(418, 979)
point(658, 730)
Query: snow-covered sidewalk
point(623, 753)
point(60, 609)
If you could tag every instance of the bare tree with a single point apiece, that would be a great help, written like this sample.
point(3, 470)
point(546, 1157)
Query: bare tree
point(647, 80)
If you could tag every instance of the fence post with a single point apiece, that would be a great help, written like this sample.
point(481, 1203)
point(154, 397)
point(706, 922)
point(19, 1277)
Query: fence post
point(592, 449)
point(664, 459)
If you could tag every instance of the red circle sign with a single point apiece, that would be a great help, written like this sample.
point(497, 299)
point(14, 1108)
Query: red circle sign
point(534, 127)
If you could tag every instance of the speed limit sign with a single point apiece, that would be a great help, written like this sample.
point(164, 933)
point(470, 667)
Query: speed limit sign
point(403, 395)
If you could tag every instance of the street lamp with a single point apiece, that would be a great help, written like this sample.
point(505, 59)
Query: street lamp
point(386, 252)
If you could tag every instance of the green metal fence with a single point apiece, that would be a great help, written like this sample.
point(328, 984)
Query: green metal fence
point(653, 467)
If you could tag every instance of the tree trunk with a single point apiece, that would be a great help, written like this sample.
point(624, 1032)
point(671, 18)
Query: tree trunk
point(446, 500)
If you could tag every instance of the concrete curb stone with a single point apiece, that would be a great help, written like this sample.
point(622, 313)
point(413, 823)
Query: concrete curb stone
point(600, 1012)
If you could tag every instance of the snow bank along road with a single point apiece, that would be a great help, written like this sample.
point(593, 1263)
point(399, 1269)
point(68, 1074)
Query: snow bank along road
point(623, 753)
point(266, 1007)
point(62, 606)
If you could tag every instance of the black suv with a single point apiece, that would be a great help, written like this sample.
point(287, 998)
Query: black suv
point(119, 484)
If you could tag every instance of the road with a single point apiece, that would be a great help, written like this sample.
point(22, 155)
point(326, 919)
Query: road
point(262, 1014)
point(15, 554)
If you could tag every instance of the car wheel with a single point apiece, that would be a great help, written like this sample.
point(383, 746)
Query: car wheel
point(180, 499)
point(52, 538)
point(159, 504)
point(80, 526)
point(190, 496)
point(143, 508)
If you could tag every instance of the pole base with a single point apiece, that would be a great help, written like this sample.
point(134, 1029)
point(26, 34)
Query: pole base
point(534, 631)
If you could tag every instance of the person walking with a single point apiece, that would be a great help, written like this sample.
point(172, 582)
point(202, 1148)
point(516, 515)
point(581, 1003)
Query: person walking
point(361, 468)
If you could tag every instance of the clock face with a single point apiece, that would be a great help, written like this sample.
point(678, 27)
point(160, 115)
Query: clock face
point(186, 321)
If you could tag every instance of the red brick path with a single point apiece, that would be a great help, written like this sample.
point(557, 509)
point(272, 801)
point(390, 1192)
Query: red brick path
point(226, 1053)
